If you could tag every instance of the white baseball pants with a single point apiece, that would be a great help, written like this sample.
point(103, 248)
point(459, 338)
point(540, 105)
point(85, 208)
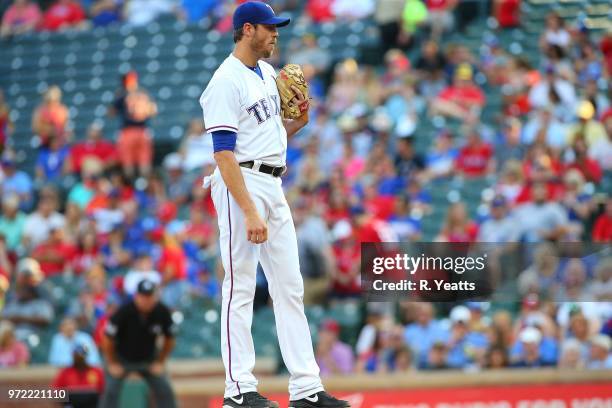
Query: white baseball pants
point(279, 258)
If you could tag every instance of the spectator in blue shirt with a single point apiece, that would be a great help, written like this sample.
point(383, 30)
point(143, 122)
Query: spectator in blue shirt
point(105, 12)
point(60, 354)
point(389, 182)
point(407, 227)
point(530, 346)
point(544, 125)
point(83, 193)
point(464, 346)
point(548, 350)
point(600, 357)
point(579, 330)
point(424, 332)
point(440, 161)
point(16, 182)
point(116, 253)
point(419, 198)
point(135, 232)
point(51, 163)
point(195, 10)
point(12, 221)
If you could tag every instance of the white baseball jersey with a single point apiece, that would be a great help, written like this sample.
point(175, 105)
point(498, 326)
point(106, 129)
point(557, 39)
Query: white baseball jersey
point(238, 100)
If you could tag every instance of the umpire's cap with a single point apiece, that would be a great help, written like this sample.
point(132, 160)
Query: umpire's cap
point(257, 12)
point(146, 287)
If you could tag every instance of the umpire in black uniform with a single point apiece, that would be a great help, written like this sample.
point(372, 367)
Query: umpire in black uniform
point(129, 345)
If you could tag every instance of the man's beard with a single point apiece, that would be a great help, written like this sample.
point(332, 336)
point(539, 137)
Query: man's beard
point(259, 47)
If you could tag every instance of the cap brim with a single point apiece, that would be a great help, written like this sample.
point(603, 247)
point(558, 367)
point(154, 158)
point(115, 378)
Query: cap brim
point(277, 21)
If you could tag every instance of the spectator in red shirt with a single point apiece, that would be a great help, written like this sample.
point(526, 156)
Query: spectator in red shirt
point(82, 382)
point(345, 274)
point(13, 353)
point(462, 100)
point(606, 49)
point(87, 252)
point(94, 146)
point(172, 266)
point(589, 168)
point(507, 12)
point(440, 16)
point(63, 14)
point(5, 270)
point(381, 206)
point(21, 17)
point(368, 228)
point(199, 230)
point(458, 227)
point(337, 208)
point(6, 125)
point(476, 157)
point(55, 255)
point(602, 230)
point(319, 10)
point(51, 117)
point(540, 164)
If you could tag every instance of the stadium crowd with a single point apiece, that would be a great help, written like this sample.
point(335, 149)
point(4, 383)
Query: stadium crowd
point(355, 175)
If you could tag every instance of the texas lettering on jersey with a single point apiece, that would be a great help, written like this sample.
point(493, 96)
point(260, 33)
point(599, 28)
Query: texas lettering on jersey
point(263, 109)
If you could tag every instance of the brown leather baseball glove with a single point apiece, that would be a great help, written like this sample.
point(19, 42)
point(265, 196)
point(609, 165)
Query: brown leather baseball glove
point(290, 76)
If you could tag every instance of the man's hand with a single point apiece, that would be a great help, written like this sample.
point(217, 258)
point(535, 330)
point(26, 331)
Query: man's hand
point(257, 230)
point(157, 368)
point(302, 102)
point(116, 370)
point(292, 126)
point(300, 99)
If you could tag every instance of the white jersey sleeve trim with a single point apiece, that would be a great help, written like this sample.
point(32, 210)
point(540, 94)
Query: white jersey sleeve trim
point(221, 127)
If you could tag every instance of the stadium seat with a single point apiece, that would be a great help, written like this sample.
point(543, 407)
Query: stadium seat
point(134, 394)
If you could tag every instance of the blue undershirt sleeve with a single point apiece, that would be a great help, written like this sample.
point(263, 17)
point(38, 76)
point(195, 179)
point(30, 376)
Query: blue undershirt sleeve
point(224, 140)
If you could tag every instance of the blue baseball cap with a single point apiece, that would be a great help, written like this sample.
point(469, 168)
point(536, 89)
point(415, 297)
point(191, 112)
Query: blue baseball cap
point(80, 349)
point(498, 201)
point(257, 12)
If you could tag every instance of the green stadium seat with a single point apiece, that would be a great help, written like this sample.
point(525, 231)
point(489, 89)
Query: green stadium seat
point(134, 394)
point(266, 343)
point(346, 313)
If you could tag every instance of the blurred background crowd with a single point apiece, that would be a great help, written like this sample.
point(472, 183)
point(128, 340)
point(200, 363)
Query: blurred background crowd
point(436, 120)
